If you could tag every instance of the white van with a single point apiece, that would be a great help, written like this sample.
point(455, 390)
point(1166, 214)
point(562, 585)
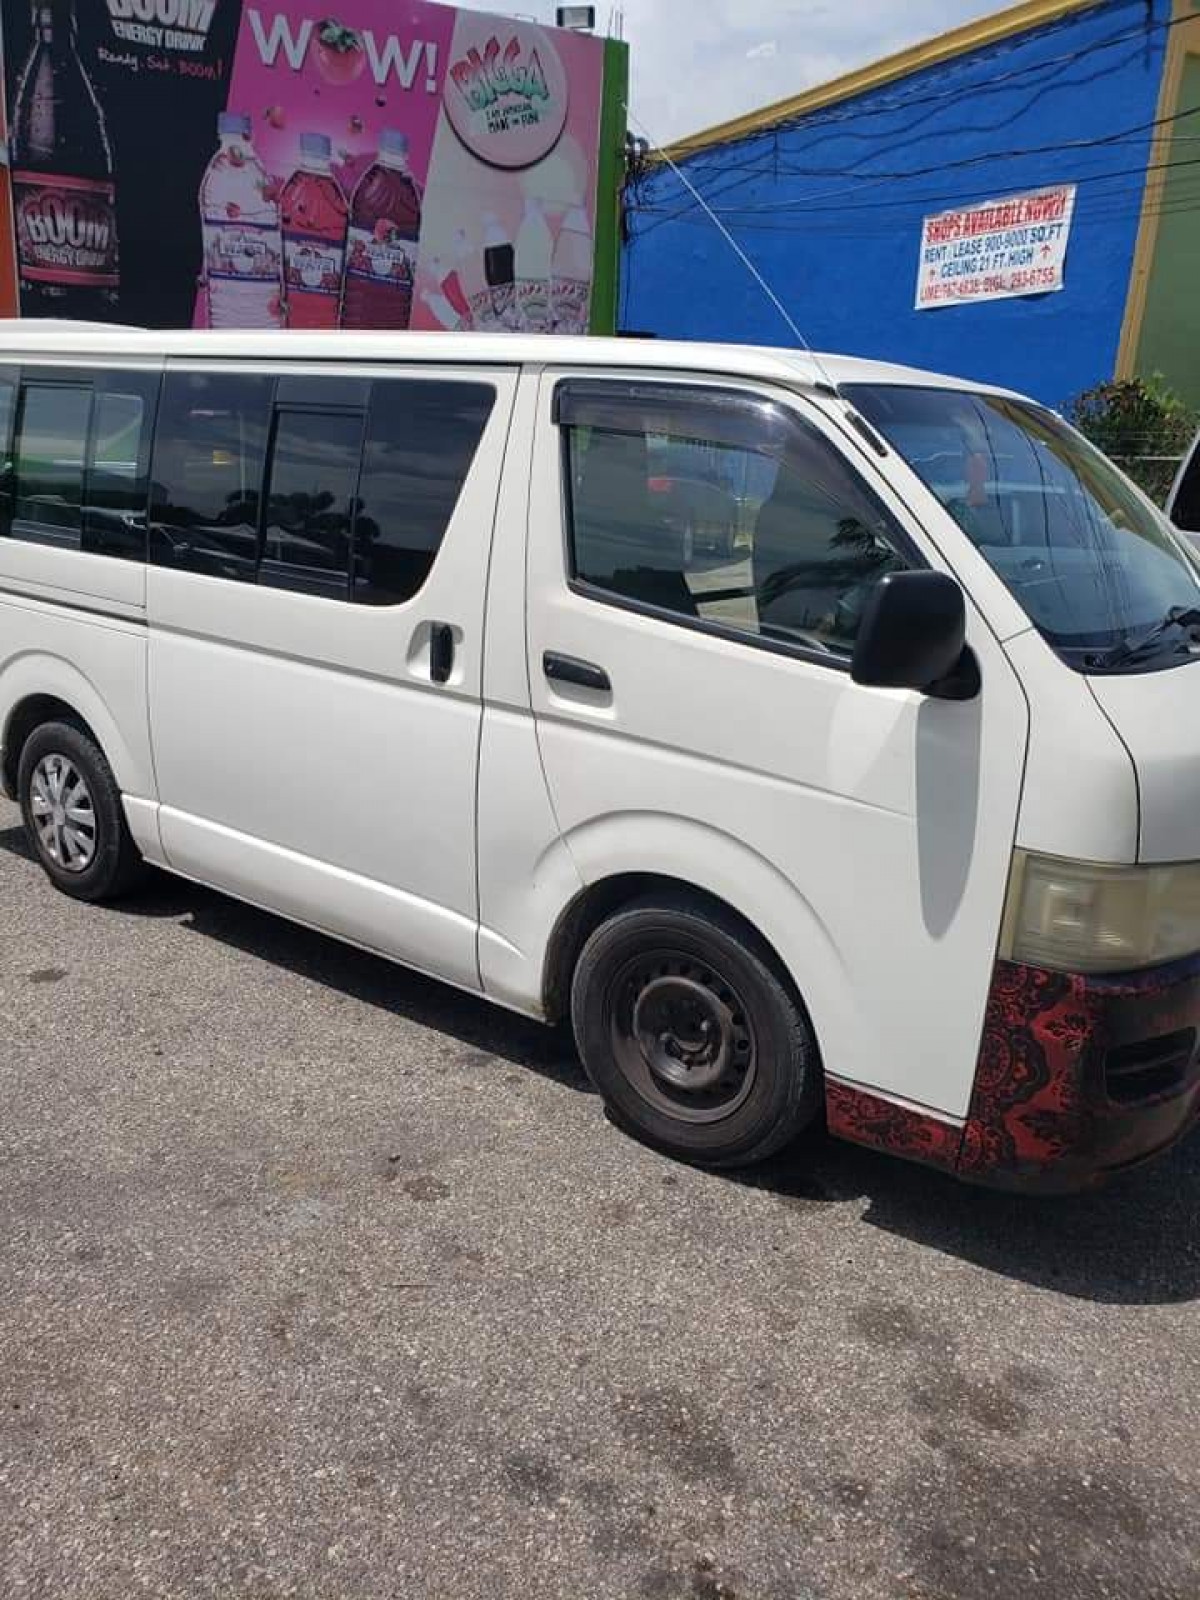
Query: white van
point(1183, 506)
point(815, 734)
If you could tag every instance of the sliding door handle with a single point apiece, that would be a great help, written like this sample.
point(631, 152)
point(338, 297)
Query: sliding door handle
point(569, 669)
point(441, 652)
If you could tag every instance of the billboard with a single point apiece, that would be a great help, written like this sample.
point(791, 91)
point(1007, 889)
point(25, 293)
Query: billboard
point(996, 249)
point(217, 163)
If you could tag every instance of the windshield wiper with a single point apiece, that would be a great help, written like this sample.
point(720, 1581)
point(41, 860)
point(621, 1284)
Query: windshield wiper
point(1132, 649)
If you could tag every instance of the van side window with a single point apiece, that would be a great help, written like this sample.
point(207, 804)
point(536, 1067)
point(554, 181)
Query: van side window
point(310, 501)
point(118, 469)
point(421, 441)
point(52, 431)
point(334, 486)
point(721, 508)
point(8, 407)
point(209, 456)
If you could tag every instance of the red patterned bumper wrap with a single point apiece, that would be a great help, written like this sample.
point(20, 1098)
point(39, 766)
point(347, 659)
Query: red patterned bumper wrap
point(1043, 1113)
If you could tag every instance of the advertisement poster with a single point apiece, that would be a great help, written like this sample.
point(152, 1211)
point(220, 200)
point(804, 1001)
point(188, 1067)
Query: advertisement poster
point(216, 163)
point(8, 258)
point(996, 249)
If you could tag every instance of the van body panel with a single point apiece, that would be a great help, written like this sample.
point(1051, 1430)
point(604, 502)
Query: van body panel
point(527, 874)
point(74, 578)
point(96, 666)
point(369, 766)
point(797, 796)
point(320, 895)
point(1069, 734)
point(1155, 715)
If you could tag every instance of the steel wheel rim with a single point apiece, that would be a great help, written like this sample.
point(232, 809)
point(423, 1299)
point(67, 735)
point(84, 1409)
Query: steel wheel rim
point(682, 1036)
point(64, 814)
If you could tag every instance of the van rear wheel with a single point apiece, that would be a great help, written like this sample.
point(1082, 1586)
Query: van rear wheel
point(691, 1037)
point(71, 806)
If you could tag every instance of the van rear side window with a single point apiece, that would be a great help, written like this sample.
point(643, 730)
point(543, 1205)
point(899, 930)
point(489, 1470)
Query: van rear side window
point(76, 469)
point(52, 431)
point(209, 457)
point(333, 487)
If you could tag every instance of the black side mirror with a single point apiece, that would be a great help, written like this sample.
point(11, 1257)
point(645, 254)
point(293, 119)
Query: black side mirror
point(914, 636)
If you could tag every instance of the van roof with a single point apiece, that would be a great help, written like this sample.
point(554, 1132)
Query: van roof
point(47, 336)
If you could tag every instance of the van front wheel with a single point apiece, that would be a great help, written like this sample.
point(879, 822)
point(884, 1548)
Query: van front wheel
point(691, 1037)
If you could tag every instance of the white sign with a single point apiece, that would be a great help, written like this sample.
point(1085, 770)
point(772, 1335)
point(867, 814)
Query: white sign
point(996, 249)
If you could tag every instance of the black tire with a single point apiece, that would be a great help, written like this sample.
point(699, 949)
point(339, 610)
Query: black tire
point(688, 1032)
point(115, 866)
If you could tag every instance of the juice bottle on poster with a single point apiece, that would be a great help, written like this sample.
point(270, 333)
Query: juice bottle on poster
point(314, 215)
point(239, 218)
point(62, 177)
point(499, 267)
point(534, 252)
point(385, 225)
point(571, 274)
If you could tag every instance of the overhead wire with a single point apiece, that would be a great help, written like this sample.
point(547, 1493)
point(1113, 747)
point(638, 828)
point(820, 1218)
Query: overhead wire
point(761, 165)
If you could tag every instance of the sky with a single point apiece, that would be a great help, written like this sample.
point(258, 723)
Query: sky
point(699, 62)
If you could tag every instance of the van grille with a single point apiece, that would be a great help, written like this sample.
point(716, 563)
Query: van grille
point(1150, 1068)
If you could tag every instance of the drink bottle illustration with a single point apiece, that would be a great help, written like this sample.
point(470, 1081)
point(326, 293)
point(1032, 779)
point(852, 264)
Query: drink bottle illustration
point(469, 266)
point(535, 246)
point(443, 313)
point(499, 267)
point(571, 274)
point(451, 290)
point(62, 178)
point(314, 215)
point(239, 218)
point(385, 225)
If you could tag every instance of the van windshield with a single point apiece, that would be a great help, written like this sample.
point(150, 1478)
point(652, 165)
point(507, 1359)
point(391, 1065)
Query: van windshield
point(1096, 569)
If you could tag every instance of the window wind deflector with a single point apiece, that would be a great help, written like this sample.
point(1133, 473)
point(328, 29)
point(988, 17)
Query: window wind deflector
point(721, 416)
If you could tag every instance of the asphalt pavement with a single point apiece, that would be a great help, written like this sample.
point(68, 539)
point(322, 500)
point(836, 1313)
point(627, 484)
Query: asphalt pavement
point(319, 1279)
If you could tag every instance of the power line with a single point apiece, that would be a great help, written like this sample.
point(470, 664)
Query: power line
point(762, 166)
point(957, 199)
point(818, 199)
point(1065, 145)
point(996, 83)
point(740, 253)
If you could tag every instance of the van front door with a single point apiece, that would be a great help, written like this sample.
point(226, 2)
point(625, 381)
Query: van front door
point(700, 556)
point(319, 548)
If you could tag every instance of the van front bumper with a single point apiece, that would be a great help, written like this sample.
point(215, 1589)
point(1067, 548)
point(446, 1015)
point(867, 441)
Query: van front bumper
point(1078, 1077)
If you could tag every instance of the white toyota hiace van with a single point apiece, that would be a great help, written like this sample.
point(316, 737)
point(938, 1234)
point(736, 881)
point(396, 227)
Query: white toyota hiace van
point(815, 734)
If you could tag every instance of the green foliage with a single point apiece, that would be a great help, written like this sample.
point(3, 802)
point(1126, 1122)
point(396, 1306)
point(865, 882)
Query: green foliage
point(1134, 421)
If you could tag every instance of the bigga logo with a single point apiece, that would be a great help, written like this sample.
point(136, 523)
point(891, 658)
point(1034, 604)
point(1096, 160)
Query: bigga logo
point(163, 24)
point(496, 76)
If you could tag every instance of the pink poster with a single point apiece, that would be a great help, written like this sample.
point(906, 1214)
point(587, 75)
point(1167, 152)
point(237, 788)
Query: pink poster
point(402, 165)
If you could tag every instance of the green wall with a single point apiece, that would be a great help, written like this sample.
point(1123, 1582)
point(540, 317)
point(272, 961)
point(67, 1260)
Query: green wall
point(613, 122)
point(1170, 338)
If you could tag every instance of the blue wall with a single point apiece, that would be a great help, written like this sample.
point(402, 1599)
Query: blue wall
point(830, 210)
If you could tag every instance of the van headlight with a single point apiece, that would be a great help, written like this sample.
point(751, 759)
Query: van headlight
point(1077, 916)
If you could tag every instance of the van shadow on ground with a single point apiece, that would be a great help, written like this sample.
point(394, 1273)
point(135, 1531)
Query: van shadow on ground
point(1136, 1242)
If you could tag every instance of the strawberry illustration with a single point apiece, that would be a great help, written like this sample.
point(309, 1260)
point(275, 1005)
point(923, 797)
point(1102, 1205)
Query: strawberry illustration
point(339, 52)
point(275, 116)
